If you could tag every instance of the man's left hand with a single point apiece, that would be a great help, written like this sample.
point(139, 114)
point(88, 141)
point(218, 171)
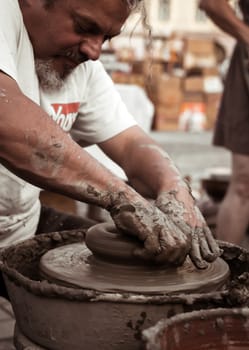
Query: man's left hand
point(181, 209)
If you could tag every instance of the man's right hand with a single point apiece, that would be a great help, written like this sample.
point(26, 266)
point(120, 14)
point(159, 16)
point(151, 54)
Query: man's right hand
point(164, 241)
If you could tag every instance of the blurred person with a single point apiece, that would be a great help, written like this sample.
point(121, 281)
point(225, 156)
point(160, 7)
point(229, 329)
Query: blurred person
point(232, 127)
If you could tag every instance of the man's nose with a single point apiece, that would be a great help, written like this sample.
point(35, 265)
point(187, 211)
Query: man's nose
point(91, 47)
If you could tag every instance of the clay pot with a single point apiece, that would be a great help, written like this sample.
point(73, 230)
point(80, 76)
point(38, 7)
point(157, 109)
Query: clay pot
point(57, 317)
point(215, 188)
point(216, 329)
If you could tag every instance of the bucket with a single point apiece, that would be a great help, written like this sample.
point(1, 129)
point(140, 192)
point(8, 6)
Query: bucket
point(214, 329)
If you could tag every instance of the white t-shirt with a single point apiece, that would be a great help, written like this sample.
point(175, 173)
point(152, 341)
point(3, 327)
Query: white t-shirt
point(88, 106)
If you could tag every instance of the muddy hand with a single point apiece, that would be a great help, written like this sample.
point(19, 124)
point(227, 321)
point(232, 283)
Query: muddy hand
point(204, 247)
point(163, 241)
point(191, 223)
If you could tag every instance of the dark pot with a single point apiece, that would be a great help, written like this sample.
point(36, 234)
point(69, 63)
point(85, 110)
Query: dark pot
point(215, 188)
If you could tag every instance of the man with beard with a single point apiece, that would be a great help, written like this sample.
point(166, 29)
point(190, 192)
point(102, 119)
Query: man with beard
point(232, 127)
point(36, 148)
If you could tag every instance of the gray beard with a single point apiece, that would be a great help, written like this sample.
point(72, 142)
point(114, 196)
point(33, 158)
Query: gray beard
point(49, 78)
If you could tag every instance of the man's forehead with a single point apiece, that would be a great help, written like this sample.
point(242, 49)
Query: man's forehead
point(93, 26)
point(107, 15)
point(119, 5)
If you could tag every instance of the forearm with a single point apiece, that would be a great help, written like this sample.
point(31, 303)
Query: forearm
point(151, 168)
point(224, 17)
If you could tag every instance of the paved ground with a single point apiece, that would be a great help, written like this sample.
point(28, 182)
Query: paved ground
point(192, 153)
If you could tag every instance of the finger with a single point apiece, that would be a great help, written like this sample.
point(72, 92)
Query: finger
point(176, 252)
point(126, 222)
point(171, 235)
point(206, 253)
point(169, 253)
point(162, 258)
point(195, 254)
point(213, 244)
point(152, 244)
point(144, 254)
point(166, 237)
point(175, 258)
point(182, 225)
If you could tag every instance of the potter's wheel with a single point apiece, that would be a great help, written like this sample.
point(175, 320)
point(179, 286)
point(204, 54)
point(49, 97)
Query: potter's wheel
point(105, 263)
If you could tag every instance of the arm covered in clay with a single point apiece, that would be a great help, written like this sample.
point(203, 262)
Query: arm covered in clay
point(224, 17)
point(152, 173)
point(35, 148)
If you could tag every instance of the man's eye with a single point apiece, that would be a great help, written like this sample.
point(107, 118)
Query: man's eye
point(107, 38)
point(86, 28)
point(79, 29)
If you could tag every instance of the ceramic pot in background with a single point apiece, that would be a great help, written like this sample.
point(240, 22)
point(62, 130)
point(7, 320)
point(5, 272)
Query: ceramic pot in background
point(215, 329)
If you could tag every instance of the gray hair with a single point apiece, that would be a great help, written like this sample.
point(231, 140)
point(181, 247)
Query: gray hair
point(139, 6)
point(134, 4)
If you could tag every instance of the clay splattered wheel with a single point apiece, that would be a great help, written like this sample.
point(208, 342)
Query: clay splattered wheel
point(105, 263)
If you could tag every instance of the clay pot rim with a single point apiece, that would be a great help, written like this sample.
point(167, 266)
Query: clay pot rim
point(47, 289)
point(52, 290)
point(151, 336)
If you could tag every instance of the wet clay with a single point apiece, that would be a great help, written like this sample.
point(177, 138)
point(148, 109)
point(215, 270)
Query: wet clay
point(20, 263)
point(109, 266)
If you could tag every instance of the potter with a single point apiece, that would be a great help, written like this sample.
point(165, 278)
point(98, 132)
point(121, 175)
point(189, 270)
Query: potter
point(50, 63)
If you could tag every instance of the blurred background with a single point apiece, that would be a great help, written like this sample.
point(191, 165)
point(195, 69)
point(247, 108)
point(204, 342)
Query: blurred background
point(179, 57)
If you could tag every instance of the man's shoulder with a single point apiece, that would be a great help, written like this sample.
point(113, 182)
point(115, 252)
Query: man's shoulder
point(10, 14)
point(10, 5)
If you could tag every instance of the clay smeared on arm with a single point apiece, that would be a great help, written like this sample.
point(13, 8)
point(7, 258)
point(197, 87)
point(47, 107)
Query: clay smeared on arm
point(204, 248)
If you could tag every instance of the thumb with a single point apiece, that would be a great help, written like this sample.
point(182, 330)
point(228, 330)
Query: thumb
point(143, 254)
